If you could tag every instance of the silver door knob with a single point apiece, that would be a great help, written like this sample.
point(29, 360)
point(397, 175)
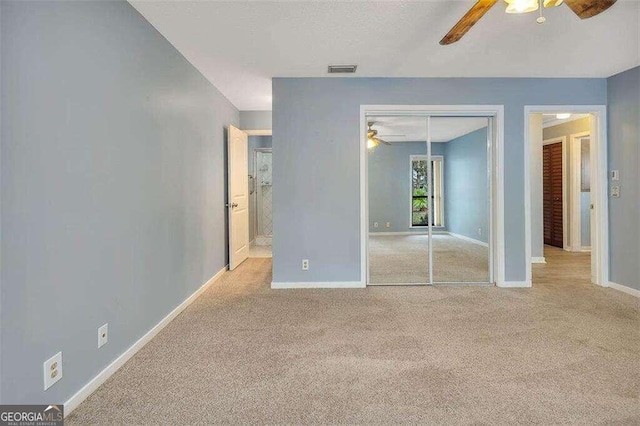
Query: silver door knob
point(233, 205)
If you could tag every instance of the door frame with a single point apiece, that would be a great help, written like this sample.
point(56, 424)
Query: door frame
point(565, 198)
point(496, 130)
point(599, 185)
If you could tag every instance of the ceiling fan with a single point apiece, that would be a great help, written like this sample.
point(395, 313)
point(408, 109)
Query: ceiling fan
point(372, 137)
point(583, 8)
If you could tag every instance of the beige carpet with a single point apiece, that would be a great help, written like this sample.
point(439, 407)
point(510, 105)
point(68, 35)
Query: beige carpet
point(404, 259)
point(563, 352)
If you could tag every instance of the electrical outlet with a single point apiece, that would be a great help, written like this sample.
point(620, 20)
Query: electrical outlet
point(375, 224)
point(52, 369)
point(615, 191)
point(103, 335)
point(305, 264)
point(388, 224)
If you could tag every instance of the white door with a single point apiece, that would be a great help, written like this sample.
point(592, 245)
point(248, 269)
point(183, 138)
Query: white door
point(238, 206)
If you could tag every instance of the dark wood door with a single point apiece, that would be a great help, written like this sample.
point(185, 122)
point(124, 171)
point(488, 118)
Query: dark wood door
point(552, 194)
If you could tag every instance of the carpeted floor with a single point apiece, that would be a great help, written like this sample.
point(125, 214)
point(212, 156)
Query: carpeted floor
point(404, 259)
point(564, 351)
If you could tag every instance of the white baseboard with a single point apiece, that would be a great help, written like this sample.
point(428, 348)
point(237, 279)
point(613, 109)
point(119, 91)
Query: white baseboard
point(538, 260)
point(73, 402)
point(469, 239)
point(515, 284)
point(624, 288)
point(320, 284)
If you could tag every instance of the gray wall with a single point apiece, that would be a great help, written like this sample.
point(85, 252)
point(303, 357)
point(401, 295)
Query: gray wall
point(389, 185)
point(113, 187)
point(466, 191)
point(254, 142)
point(316, 126)
point(624, 155)
point(255, 120)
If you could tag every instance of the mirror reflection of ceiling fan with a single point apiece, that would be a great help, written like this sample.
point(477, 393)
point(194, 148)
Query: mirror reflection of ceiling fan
point(583, 8)
point(372, 137)
point(374, 140)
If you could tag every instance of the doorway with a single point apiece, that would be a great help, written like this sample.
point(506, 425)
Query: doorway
point(260, 195)
point(420, 248)
point(553, 182)
point(567, 184)
point(262, 191)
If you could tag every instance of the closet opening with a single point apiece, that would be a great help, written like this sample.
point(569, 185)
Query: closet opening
point(430, 196)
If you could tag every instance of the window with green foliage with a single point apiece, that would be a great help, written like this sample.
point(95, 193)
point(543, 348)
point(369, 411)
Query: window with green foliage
point(421, 201)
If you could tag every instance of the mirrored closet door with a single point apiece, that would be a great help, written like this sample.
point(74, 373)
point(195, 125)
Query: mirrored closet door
point(429, 199)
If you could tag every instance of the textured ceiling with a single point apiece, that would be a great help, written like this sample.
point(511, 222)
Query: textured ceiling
point(240, 45)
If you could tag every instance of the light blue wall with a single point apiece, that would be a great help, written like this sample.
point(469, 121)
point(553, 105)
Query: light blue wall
point(254, 142)
point(255, 120)
point(316, 127)
point(113, 187)
point(466, 193)
point(624, 155)
point(389, 185)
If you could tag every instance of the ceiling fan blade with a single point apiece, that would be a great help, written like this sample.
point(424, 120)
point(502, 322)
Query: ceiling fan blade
point(468, 20)
point(589, 8)
point(383, 141)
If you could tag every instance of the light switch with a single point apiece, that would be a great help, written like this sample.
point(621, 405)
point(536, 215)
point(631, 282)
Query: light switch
point(615, 175)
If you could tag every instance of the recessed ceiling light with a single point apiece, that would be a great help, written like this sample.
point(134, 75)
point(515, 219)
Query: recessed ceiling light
point(563, 115)
point(342, 69)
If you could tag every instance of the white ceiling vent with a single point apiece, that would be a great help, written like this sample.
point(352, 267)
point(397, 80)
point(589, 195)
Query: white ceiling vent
point(342, 69)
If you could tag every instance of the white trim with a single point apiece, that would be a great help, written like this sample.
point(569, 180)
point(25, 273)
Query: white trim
point(599, 183)
point(516, 284)
point(73, 402)
point(496, 112)
point(469, 239)
point(258, 132)
point(318, 284)
point(565, 199)
point(538, 259)
point(624, 289)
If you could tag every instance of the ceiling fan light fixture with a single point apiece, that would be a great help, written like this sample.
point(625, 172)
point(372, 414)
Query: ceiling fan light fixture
point(371, 143)
point(552, 3)
point(521, 6)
